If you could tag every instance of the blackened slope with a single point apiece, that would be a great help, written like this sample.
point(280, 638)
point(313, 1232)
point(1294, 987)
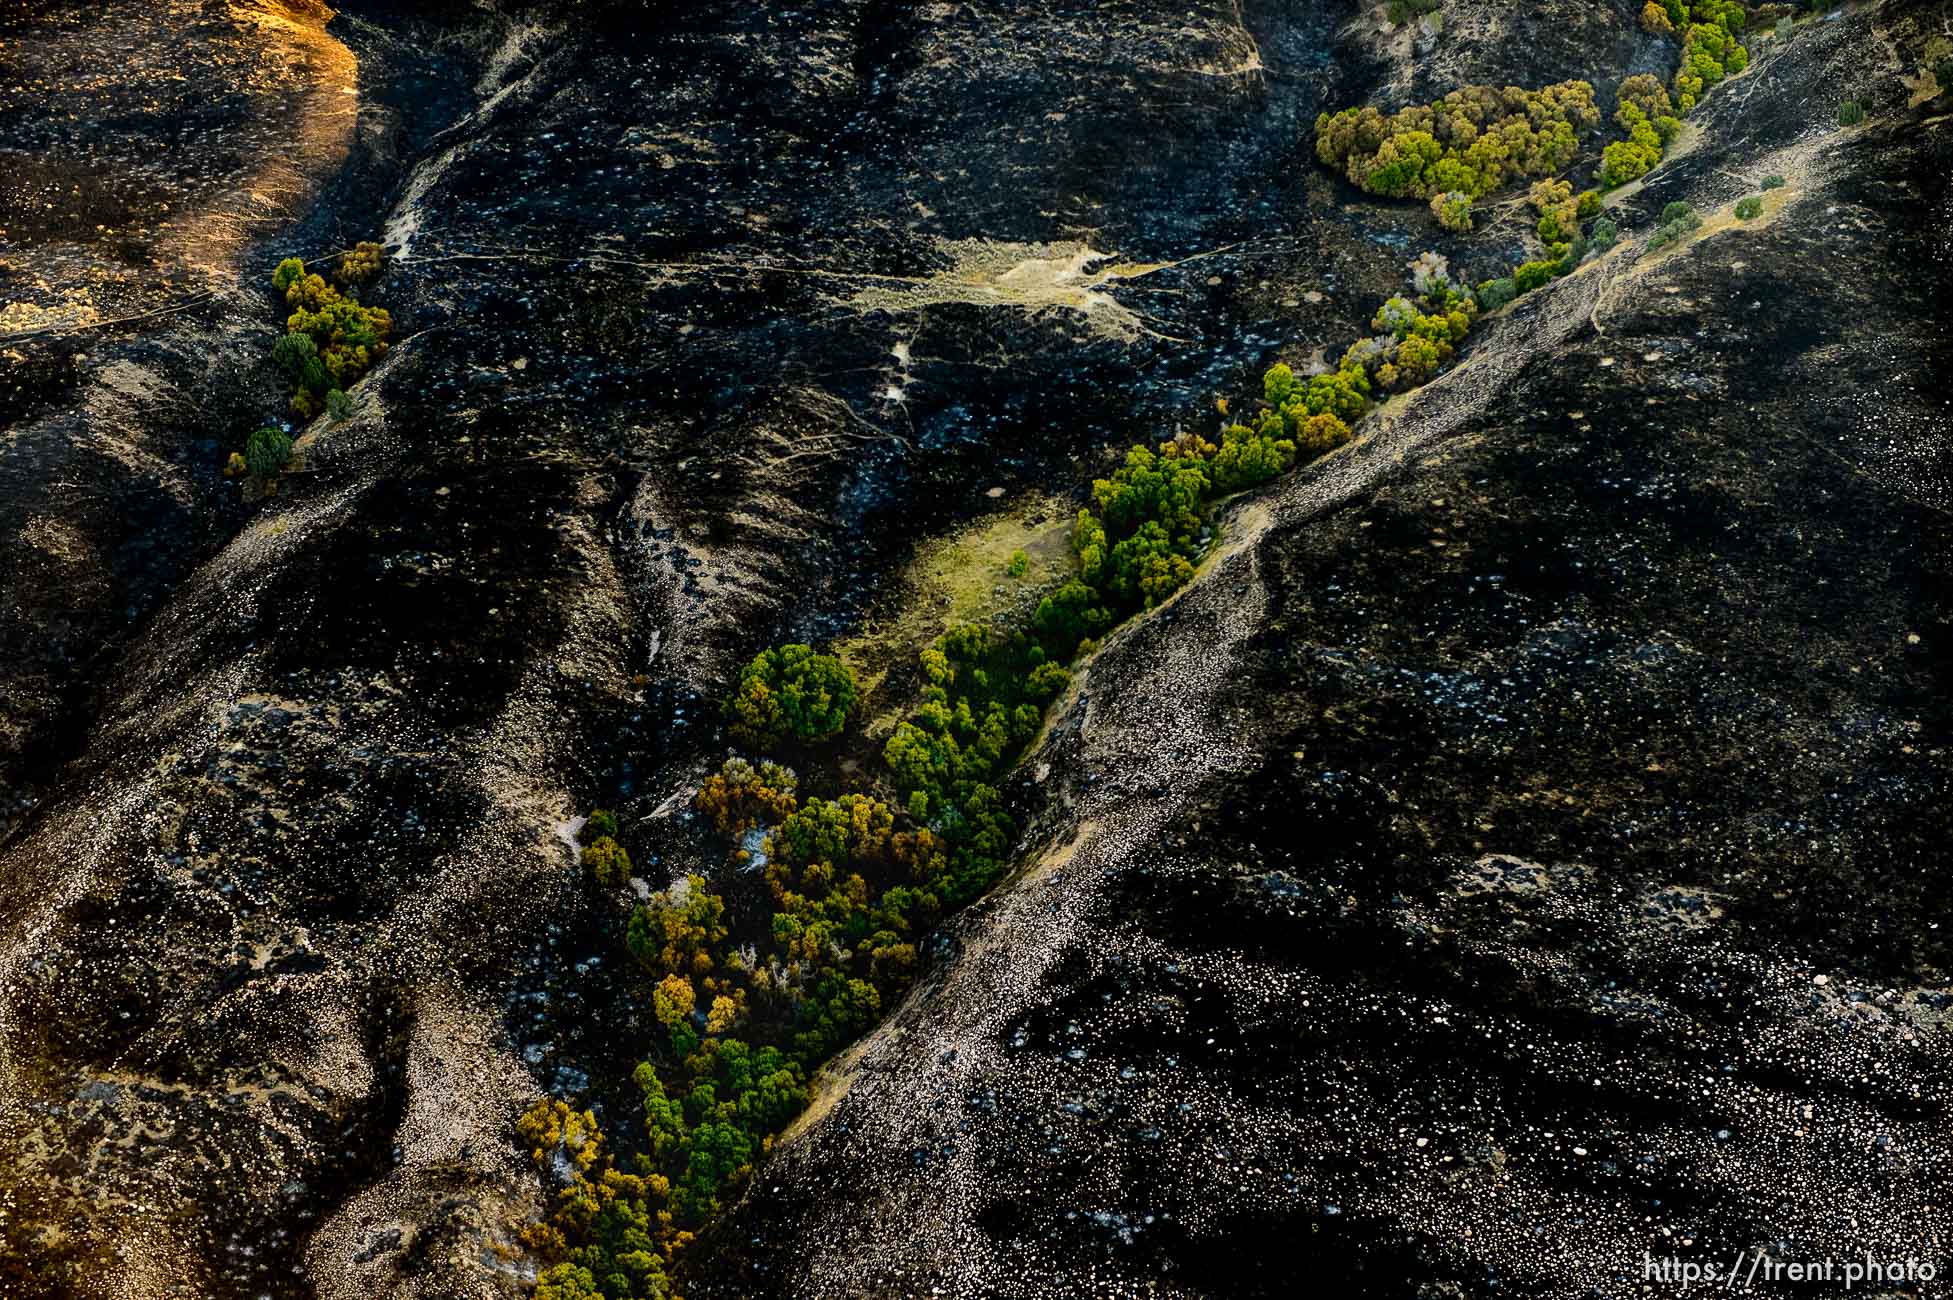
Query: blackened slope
point(1547, 870)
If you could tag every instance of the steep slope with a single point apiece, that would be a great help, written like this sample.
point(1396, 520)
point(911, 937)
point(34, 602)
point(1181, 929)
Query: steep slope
point(1523, 851)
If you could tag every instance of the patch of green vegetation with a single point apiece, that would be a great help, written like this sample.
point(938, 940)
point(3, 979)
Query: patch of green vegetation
point(1748, 208)
point(1453, 209)
point(331, 338)
point(1851, 113)
point(266, 452)
point(1650, 114)
point(1472, 141)
point(1678, 221)
point(1710, 50)
point(1400, 12)
point(856, 881)
point(965, 578)
point(792, 692)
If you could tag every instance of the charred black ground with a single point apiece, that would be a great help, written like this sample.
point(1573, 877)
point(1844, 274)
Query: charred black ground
point(1430, 901)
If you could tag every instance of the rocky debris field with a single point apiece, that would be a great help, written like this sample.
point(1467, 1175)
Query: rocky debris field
point(1522, 850)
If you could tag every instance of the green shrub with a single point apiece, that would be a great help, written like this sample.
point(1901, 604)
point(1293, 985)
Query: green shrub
point(1851, 113)
point(1605, 235)
point(1532, 275)
point(338, 405)
point(607, 862)
point(1020, 564)
point(1069, 615)
point(1749, 208)
point(601, 824)
point(1453, 209)
point(1943, 75)
point(359, 264)
point(1630, 159)
point(1494, 294)
point(791, 691)
point(1774, 182)
point(1400, 12)
point(1678, 221)
point(267, 451)
point(1784, 26)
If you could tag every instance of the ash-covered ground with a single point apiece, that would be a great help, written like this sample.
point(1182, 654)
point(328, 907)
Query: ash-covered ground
point(1523, 850)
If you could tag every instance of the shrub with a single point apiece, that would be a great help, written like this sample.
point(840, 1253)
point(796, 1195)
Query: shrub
point(1851, 113)
point(1494, 294)
point(741, 796)
point(1020, 564)
point(1532, 275)
point(1748, 208)
point(1068, 616)
point(1709, 51)
point(1430, 276)
point(1774, 182)
point(359, 264)
point(601, 823)
point(1943, 75)
point(1558, 211)
point(1655, 19)
point(1400, 12)
point(267, 451)
point(338, 405)
point(607, 862)
point(236, 465)
point(791, 691)
point(1678, 221)
point(1627, 160)
point(1784, 26)
point(1453, 209)
point(1605, 235)
point(1587, 206)
point(1641, 98)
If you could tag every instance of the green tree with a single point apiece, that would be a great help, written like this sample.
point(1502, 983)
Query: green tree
point(791, 691)
point(267, 451)
point(1069, 615)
